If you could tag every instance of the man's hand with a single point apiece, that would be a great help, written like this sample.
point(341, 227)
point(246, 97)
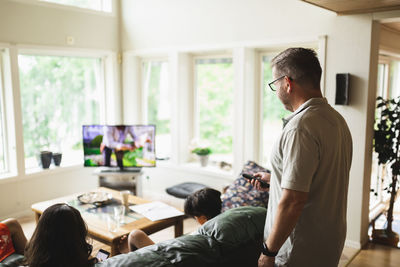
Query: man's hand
point(265, 261)
point(265, 176)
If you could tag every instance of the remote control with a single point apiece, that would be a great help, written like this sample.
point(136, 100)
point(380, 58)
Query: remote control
point(251, 177)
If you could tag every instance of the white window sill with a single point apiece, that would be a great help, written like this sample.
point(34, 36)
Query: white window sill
point(36, 172)
point(7, 177)
point(53, 169)
point(195, 168)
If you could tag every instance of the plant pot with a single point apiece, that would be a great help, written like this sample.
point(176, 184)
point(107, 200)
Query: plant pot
point(45, 159)
point(382, 236)
point(203, 160)
point(57, 159)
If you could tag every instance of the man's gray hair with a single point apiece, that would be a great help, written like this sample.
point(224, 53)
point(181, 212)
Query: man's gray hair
point(299, 64)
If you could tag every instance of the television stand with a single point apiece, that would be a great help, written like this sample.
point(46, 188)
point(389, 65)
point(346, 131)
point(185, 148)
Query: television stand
point(117, 179)
point(124, 170)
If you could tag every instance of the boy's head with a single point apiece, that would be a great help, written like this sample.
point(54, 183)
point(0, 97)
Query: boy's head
point(203, 204)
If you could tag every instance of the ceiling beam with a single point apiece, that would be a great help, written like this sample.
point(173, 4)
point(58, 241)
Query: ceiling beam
point(351, 11)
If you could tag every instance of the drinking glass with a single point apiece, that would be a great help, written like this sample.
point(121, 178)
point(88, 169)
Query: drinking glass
point(112, 224)
point(125, 199)
point(119, 214)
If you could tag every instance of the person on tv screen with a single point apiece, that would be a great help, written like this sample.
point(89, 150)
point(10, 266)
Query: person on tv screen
point(116, 139)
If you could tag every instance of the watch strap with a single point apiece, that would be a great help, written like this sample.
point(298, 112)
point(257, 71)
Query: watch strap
point(266, 251)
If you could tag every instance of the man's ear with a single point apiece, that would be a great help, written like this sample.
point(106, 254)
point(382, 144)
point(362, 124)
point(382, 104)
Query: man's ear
point(289, 84)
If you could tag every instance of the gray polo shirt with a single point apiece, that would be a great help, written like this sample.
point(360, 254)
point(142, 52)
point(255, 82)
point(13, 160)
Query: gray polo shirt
point(313, 154)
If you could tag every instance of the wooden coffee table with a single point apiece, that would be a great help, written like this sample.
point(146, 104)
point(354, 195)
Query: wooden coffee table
point(97, 223)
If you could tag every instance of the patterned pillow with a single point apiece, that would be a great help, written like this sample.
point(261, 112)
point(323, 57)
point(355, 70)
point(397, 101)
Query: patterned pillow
point(242, 193)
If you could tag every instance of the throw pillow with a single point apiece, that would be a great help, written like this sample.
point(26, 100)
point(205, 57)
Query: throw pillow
point(242, 193)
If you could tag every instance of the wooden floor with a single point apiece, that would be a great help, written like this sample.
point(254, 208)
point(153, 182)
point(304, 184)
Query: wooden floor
point(374, 255)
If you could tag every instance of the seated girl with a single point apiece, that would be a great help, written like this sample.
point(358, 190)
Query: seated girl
point(203, 205)
point(60, 239)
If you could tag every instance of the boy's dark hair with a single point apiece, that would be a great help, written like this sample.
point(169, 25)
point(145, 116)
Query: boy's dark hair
point(299, 64)
point(206, 201)
point(60, 239)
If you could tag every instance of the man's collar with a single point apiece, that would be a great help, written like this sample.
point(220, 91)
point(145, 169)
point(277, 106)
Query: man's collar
point(311, 102)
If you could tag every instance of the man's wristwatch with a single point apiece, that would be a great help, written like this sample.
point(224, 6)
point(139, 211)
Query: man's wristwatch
point(266, 252)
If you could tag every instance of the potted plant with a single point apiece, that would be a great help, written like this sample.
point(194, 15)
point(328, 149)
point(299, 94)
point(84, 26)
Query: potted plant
point(387, 145)
point(203, 153)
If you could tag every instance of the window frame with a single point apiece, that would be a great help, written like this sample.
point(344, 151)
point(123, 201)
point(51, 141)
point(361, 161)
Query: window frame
point(70, 7)
point(4, 117)
point(382, 201)
point(103, 55)
point(144, 94)
point(196, 106)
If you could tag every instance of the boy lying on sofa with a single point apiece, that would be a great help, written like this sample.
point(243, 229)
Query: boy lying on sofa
point(203, 205)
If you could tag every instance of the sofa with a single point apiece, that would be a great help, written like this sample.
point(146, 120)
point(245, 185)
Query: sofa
point(233, 238)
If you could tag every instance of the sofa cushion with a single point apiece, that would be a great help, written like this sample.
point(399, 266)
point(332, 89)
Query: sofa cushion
point(12, 260)
point(144, 257)
point(235, 226)
point(230, 239)
point(183, 190)
point(242, 193)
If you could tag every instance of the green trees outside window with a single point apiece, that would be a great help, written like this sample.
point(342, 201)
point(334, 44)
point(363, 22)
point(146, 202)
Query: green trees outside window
point(58, 96)
point(273, 112)
point(156, 87)
point(3, 167)
point(214, 87)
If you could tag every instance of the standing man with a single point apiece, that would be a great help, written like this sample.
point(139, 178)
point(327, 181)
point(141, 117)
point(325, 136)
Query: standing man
point(306, 219)
point(114, 140)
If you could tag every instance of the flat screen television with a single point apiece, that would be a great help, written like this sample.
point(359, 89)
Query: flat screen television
point(119, 146)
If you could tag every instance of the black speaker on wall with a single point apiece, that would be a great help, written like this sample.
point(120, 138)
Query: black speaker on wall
point(342, 88)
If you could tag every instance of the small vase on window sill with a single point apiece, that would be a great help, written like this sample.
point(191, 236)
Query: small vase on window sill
point(203, 154)
point(57, 159)
point(203, 160)
point(45, 159)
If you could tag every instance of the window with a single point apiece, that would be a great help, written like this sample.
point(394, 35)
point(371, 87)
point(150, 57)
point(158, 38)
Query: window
point(3, 153)
point(388, 79)
point(99, 5)
point(58, 96)
point(272, 112)
point(214, 105)
point(155, 85)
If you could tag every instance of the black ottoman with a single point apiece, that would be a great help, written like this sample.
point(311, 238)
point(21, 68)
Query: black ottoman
point(183, 190)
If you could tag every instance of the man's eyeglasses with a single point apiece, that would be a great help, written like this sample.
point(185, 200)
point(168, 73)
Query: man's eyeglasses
point(272, 84)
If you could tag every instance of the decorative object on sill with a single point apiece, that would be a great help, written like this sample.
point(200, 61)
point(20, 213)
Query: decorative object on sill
point(57, 159)
point(225, 166)
point(203, 153)
point(387, 145)
point(45, 159)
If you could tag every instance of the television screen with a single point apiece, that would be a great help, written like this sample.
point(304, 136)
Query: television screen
point(119, 145)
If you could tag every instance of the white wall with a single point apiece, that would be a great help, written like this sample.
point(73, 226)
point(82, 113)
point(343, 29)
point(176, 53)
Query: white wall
point(23, 24)
point(19, 193)
point(150, 25)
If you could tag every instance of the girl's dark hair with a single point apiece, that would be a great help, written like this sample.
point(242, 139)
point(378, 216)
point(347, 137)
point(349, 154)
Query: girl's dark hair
point(206, 201)
point(59, 239)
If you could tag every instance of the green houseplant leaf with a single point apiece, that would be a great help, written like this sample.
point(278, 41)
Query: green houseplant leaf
point(386, 144)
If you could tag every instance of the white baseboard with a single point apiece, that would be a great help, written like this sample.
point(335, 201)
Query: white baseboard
point(17, 215)
point(352, 244)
